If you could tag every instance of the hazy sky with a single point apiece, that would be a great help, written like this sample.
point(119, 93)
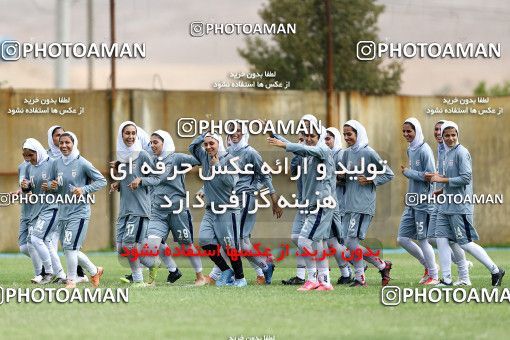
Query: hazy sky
point(184, 62)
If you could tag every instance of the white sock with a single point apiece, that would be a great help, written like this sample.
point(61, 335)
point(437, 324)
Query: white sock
point(72, 263)
point(258, 270)
point(85, 262)
point(257, 261)
point(430, 259)
point(311, 265)
point(481, 255)
point(136, 269)
point(196, 262)
point(58, 270)
point(374, 260)
point(459, 258)
point(339, 250)
point(445, 258)
point(344, 271)
point(412, 248)
point(44, 253)
point(215, 273)
point(352, 244)
point(36, 260)
point(322, 265)
point(167, 260)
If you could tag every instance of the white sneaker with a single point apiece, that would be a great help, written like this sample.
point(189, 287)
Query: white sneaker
point(37, 279)
point(81, 279)
point(463, 282)
point(47, 279)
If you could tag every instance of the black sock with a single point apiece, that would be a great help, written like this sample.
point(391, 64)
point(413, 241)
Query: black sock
point(237, 266)
point(43, 272)
point(79, 271)
point(217, 258)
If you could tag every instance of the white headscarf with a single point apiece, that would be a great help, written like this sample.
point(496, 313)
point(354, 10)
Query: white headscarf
point(338, 138)
point(55, 151)
point(221, 147)
point(449, 124)
point(242, 143)
point(419, 138)
point(361, 135)
point(124, 153)
point(322, 131)
point(74, 153)
point(168, 143)
point(34, 145)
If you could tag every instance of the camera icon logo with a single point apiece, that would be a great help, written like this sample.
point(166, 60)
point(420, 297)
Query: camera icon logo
point(197, 29)
point(10, 50)
point(391, 296)
point(411, 199)
point(5, 199)
point(187, 127)
point(365, 50)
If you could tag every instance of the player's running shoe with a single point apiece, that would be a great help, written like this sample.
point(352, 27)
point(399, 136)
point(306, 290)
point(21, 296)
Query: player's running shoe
point(82, 279)
point(226, 277)
point(357, 283)
point(210, 280)
point(94, 279)
point(127, 278)
point(425, 277)
point(385, 273)
point(48, 278)
point(237, 283)
point(293, 281)
point(153, 274)
point(463, 282)
point(443, 283)
point(344, 280)
point(37, 279)
point(431, 282)
point(325, 286)
point(309, 285)
point(498, 277)
point(173, 276)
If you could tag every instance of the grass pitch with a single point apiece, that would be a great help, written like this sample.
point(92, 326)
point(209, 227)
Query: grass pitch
point(181, 311)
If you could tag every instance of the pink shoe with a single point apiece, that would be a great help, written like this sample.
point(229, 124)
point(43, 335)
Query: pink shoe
point(431, 281)
point(325, 286)
point(309, 285)
point(425, 277)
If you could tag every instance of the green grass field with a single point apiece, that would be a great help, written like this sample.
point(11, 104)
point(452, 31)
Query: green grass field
point(186, 312)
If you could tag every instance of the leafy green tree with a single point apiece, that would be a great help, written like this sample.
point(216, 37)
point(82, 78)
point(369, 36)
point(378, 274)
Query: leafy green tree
point(495, 91)
point(301, 58)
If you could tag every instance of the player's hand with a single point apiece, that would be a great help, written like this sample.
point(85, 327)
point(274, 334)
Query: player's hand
point(114, 187)
point(25, 183)
point(214, 160)
point(429, 175)
point(45, 186)
point(277, 210)
point(54, 185)
point(276, 142)
point(364, 181)
point(135, 184)
point(437, 192)
point(403, 169)
point(438, 179)
point(78, 191)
